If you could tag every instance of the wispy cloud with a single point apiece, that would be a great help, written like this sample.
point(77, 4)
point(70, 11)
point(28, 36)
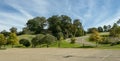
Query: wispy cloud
point(112, 19)
point(92, 13)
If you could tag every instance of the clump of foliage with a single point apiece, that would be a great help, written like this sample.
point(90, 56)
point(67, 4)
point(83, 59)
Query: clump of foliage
point(12, 39)
point(2, 40)
point(115, 31)
point(95, 37)
point(73, 39)
point(38, 40)
point(105, 40)
point(43, 39)
point(25, 42)
point(49, 39)
point(55, 24)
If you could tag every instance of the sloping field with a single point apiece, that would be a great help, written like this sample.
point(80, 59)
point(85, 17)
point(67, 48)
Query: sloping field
point(29, 37)
point(59, 54)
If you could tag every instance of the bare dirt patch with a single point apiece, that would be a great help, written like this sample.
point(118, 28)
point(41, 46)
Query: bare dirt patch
point(59, 54)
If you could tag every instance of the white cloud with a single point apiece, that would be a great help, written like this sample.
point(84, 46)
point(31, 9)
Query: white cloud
point(111, 20)
point(19, 19)
point(85, 10)
point(8, 20)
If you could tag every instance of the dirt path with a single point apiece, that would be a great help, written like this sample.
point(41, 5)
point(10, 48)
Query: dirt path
point(59, 54)
point(82, 40)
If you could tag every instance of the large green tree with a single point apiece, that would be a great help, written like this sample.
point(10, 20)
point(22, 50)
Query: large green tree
point(13, 30)
point(54, 24)
point(115, 30)
point(105, 28)
point(36, 24)
point(90, 30)
point(66, 25)
point(100, 29)
point(6, 34)
point(78, 28)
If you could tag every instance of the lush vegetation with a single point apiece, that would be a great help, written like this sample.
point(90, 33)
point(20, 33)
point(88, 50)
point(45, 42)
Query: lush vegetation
point(105, 39)
point(53, 32)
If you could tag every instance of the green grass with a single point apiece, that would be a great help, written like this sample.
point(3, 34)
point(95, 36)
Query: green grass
point(29, 37)
point(104, 33)
point(107, 46)
point(65, 44)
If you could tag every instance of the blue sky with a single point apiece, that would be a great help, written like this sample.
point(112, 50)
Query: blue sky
point(92, 13)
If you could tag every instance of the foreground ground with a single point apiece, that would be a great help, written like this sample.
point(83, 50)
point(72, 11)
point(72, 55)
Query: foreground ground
point(59, 54)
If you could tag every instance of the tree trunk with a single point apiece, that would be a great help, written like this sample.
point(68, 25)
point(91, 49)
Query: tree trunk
point(0, 46)
point(4, 45)
point(12, 45)
point(96, 44)
point(83, 44)
point(47, 45)
point(59, 44)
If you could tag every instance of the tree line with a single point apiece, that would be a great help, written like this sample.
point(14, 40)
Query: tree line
point(105, 28)
point(56, 27)
point(113, 38)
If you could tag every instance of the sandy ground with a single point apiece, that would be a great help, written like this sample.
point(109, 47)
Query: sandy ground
point(59, 54)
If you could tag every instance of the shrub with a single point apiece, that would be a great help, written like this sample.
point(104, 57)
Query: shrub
point(38, 40)
point(2, 40)
point(49, 39)
point(105, 40)
point(114, 43)
point(25, 42)
point(73, 40)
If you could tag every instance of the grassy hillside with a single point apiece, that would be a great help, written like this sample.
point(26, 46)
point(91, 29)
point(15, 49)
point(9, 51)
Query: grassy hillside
point(104, 33)
point(29, 37)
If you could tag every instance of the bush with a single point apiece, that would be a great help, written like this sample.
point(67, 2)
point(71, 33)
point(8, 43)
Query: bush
point(38, 40)
point(73, 40)
point(114, 43)
point(105, 41)
point(25, 42)
point(49, 39)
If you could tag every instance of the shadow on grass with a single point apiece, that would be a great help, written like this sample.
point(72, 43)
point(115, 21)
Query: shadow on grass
point(86, 47)
point(3, 48)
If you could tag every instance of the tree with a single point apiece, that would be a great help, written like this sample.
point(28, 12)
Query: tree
point(25, 42)
point(54, 23)
point(109, 27)
point(60, 38)
point(2, 40)
point(12, 39)
point(25, 30)
point(49, 39)
point(90, 30)
point(95, 37)
point(78, 28)
point(105, 28)
point(115, 31)
point(100, 29)
point(66, 24)
point(37, 24)
point(13, 30)
point(76, 24)
point(6, 34)
point(118, 22)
